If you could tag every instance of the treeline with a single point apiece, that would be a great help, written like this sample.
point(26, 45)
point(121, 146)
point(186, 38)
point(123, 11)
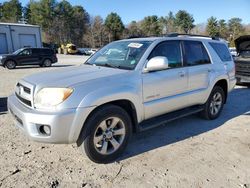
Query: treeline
point(63, 23)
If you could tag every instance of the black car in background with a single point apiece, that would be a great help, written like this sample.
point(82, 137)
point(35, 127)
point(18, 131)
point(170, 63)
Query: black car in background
point(44, 57)
point(242, 60)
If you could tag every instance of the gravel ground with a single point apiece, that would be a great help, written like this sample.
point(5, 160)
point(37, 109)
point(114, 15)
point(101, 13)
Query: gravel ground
point(189, 152)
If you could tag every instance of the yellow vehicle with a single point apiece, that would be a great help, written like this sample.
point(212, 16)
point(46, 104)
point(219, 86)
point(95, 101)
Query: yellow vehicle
point(68, 49)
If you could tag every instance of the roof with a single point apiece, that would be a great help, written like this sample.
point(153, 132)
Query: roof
point(19, 24)
point(182, 37)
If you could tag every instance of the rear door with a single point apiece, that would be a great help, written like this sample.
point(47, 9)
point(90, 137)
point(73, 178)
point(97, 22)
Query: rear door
point(199, 65)
point(36, 56)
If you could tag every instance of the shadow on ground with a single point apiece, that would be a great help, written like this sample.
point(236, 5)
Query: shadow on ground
point(237, 104)
point(3, 105)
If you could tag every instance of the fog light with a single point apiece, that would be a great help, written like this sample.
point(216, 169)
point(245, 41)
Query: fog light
point(45, 129)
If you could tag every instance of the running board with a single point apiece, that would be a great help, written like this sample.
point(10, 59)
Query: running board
point(163, 119)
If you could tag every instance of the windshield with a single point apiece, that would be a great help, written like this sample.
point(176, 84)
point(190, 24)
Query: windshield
point(18, 51)
point(121, 54)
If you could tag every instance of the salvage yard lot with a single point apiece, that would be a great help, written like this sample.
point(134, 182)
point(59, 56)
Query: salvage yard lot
point(189, 152)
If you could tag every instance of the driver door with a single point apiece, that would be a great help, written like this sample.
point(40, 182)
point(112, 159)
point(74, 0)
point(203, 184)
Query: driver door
point(164, 91)
point(24, 57)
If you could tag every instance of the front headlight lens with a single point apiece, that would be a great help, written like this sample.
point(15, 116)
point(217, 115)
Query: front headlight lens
point(51, 97)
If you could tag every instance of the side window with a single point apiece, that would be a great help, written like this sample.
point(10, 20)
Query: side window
point(171, 50)
point(195, 53)
point(25, 52)
point(35, 51)
point(222, 51)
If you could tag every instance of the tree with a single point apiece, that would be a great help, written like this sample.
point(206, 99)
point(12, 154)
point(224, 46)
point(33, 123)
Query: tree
point(78, 25)
point(235, 27)
point(114, 25)
point(223, 29)
point(96, 35)
point(134, 29)
point(11, 11)
point(212, 27)
point(170, 23)
point(184, 21)
point(150, 26)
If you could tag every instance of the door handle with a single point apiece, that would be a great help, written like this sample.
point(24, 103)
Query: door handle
point(209, 70)
point(181, 74)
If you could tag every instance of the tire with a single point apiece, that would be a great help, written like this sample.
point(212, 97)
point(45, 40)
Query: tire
point(106, 147)
point(47, 63)
point(10, 64)
point(214, 104)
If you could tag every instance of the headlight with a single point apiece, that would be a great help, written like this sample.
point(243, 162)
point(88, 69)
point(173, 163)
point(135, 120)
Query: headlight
point(51, 97)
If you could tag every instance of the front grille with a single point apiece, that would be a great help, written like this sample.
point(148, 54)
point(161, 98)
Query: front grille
point(25, 101)
point(243, 69)
point(25, 89)
point(24, 93)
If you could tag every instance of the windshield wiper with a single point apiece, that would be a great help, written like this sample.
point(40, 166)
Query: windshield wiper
point(87, 63)
point(108, 65)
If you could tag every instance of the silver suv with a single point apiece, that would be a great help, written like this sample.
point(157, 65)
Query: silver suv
point(127, 86)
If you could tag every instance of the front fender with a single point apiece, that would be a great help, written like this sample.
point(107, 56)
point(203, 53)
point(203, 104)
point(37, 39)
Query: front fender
point(108, 94)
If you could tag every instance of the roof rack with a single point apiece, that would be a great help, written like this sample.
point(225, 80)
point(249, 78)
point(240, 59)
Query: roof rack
point(191, 35)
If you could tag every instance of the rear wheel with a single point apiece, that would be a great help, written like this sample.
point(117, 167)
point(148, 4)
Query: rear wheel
point(10, 64)
point(108, 132)
point(214, 104)
point(47, 63)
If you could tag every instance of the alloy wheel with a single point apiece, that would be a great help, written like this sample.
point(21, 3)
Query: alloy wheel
point(109, 135)
point(216, 103)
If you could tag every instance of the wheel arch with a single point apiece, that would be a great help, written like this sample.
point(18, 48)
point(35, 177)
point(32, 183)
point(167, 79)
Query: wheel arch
point(125, 104)
point(11, 59)
point(224, 85)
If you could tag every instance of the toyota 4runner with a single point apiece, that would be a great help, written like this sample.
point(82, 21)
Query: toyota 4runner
point(127, 86)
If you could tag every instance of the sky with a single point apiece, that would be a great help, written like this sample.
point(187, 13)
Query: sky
point(201, 10)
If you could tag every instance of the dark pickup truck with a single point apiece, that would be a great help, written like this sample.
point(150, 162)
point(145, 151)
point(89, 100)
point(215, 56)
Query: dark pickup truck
point(242, 60)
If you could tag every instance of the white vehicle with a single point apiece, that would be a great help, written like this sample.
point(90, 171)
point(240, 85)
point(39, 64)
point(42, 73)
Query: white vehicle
point(233, 51)
point(92, 51)
point(100, 103)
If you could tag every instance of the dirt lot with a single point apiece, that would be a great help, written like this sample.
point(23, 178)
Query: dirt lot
point(189, 152)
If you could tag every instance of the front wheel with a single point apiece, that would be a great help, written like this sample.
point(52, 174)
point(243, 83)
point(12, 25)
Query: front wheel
point(10, 64)
point(108, 132)
point(214, 104)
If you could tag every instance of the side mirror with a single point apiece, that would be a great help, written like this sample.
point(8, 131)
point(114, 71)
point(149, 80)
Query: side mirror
point(156, 64)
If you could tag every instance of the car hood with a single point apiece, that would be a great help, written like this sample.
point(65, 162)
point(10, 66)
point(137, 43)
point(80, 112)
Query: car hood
point(242, 43)
point(70, 76)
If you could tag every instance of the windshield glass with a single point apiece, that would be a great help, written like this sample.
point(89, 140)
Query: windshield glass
point(121, 54)
point(18, 51)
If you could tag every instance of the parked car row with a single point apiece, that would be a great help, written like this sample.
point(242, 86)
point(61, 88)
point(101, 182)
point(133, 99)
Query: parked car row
point(87, 51)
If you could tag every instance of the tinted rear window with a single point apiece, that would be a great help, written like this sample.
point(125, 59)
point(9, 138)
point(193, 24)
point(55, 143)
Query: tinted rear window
point(222, 51)
point(46, 51)
point(195, 53)
point(36, 51)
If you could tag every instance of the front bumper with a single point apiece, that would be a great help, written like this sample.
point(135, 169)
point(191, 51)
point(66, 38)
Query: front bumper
point(65, 125)
point(232, 83)
point(242, 79)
